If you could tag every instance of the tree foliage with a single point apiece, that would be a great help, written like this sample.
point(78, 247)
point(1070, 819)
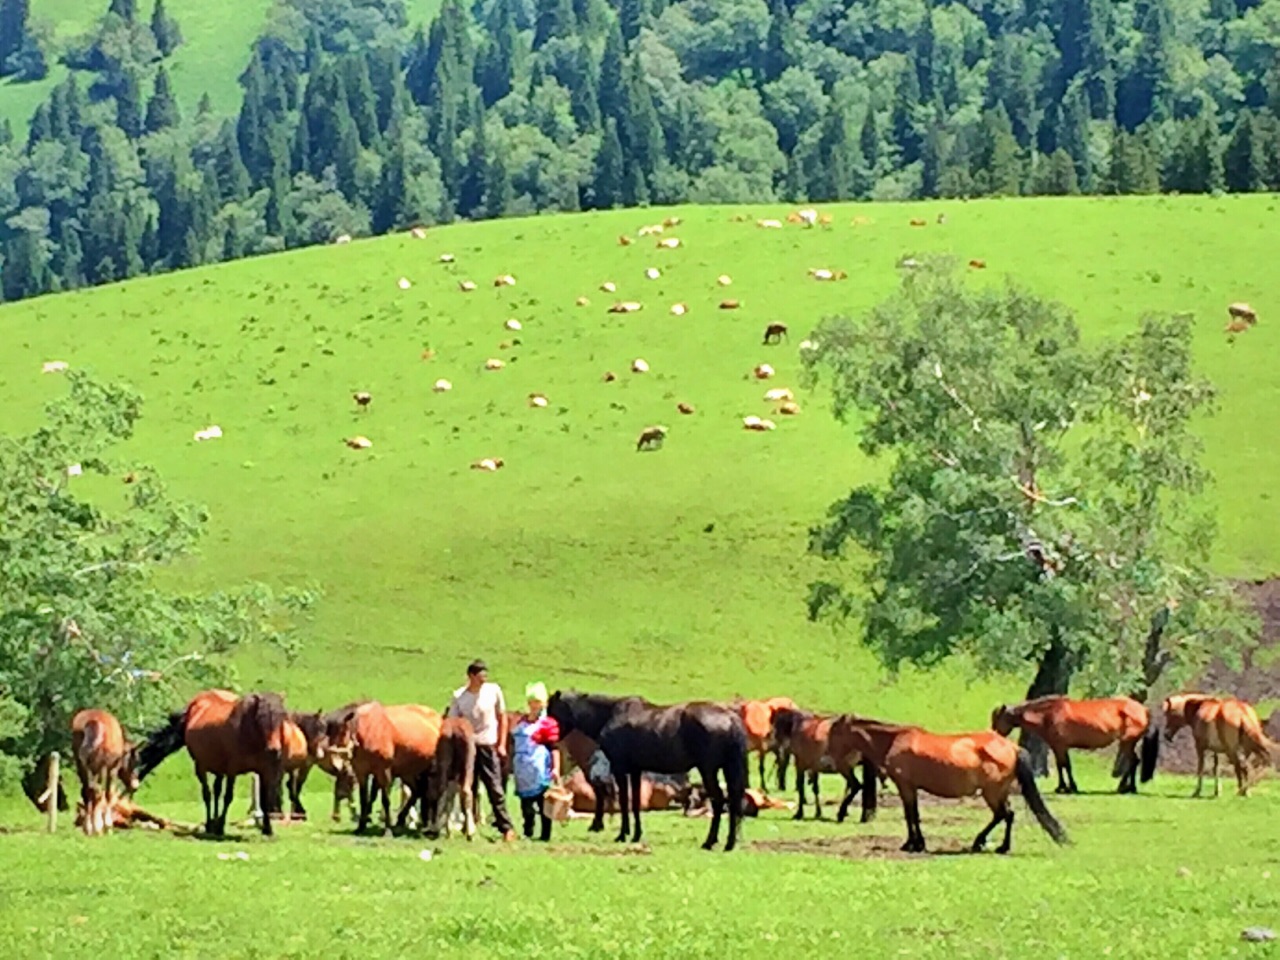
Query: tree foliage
point(88, 614)
point(1041, 510)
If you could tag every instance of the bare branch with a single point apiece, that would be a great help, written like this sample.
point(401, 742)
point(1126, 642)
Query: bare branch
point(1031, 493)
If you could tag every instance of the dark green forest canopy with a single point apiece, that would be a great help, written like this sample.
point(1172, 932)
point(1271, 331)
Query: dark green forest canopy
point(353, 123)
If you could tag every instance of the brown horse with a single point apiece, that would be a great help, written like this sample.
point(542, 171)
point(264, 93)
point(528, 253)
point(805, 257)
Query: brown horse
point(1065, 724)
point(101, 753)
point(757, 717)
point(123, 813)
point(1220, 726)
point(947, 766)
point(382, 743)
point(452, 777)
point(806, 738)
point(577, 751)
point(313, 726)
point(227, 736)
point(295, 764)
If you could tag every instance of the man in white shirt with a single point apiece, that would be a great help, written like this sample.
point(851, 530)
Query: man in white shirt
point(482, 703)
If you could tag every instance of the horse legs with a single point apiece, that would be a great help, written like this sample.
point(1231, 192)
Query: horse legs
point(297, 779)
point(784, 759)
point(597, 822)
point(228, 793)
point(1008, 829)
point(1000, 813)
point(799, 814)
point(635, 804)
point(364, 783)
point(851, 787)
point(763, 787)
point(911, 812)
point(385, 785)
point(1064, 771)
point(1217, 785)
point(1128, 762)
point(711, 783)
point(624, 805)
point(817, 800)
point(208, 801)
point(1242, 773)
point(1199, 770)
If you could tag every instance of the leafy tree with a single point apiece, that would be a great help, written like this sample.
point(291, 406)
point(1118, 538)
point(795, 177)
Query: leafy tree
point(83, 618)
point(162, 109)
point(14, 15)
point(1041, 507)
point(164, 28)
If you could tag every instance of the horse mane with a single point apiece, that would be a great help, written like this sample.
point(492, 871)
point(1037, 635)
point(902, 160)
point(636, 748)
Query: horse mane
point(311, 724)
point(261, 714)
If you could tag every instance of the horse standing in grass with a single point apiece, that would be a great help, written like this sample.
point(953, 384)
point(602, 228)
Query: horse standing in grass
point(382, 743)
point(313, 726)
point(757, 718)
point(1065, 724)
point(806, 738)
point(227, 736)
point(101, 754)
point(1220, 726)
point(451, 777)
point(947, 766)
point(638, 736)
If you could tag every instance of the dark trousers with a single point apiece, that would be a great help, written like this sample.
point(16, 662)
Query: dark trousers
point(531, 808)
point(489, 773)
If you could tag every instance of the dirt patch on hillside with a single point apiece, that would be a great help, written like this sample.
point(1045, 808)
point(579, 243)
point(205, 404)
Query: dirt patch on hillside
point(866, 848)
point(1258, 679)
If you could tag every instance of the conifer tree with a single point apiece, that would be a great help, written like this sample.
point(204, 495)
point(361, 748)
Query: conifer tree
point(609, 170)
point(165, 29)
point(1244, 163)
point(162, 110)
point(129, 104)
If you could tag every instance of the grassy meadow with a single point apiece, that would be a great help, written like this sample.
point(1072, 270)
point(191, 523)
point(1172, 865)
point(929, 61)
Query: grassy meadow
point(676, 573)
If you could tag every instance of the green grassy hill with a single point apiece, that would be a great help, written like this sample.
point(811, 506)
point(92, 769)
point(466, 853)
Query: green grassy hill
point(217, 42)
point(582, 561)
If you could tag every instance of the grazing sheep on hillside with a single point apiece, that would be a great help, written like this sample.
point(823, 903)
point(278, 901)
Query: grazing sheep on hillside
point(537, 400)
point(467, 286)
point(513, 324)
point(724, 280)
point(919, 223)
point(653, 273)
point(419, 233)
point(821, 273)
point(639, 366)
point(212, 432)
point(609, 376)
point(730, 304)
point(626, 306)
point(808, 345)
point(755, 423)
point(358, 443)
point(775, 333)
point(672, 222)
point(793, 217)
point(493, 363)
point(609, 287)
point(342, 238)
point(1242, 311)
point(446, 258)
point(679, 309)
point(769, 224)
point(653, 228)
point(362, 398)
point(825, 220)
point(1238, 326)
point(651, 437)
point(54, 366)
point(778, 393)
point(488, 464)
point(404, 283)
point(624, 240)
point(685, 408)
point(762, 371)
point(442, 386)
point(790, 408)
point(669, 243)
point(978, 264)
point(582, 302)
point(506, 280)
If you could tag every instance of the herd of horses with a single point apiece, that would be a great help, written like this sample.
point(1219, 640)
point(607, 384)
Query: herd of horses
point(618, 742)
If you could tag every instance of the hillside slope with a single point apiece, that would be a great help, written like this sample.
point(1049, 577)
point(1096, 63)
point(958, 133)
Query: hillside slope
point(676, 573)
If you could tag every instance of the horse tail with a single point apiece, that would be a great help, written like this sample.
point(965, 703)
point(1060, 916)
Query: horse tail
point(1026, 775)
point(161, 743)
point(735, 762)
point(1150, 751)
point(93, 736)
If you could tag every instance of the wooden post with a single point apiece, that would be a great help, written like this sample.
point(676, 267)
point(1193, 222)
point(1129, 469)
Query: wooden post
point(52, 792)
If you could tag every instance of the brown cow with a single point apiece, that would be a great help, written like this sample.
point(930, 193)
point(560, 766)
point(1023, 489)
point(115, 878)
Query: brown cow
point(775, 333)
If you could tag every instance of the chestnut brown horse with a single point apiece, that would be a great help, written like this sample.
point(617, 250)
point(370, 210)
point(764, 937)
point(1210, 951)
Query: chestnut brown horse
point(227, 736)
point(805, 737)
point(313, 727)
point(757, 718)
point(1220, 725)
point(1065, 724)
point(638, 736)
point(102, 754)
point(295, 763)
point(947, 766)
point(451, 778)
point(382, 743)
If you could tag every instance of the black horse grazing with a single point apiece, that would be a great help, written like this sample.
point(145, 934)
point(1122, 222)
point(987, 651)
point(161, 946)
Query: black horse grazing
point(638, 736)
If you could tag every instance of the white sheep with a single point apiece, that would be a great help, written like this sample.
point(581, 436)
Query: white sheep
point(466, 286)
point(54, 366)
point(724, 280)
point(762, 371)
point(493, 363)
point(669, 243)
point(537, 400)
point(419, 233)
point(769, 224)
point(639, 366)
point(358, 443)
point(653, 273)
point(778, 393)
point(513, 324)
point(679, 309)
point(609, 287)
point(442, 386)
point(404, 283)
point(446, 258)
point(212, 432)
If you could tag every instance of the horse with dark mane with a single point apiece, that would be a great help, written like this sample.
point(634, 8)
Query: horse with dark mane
point(227, 736)
point(637, 736)
point(313, 727)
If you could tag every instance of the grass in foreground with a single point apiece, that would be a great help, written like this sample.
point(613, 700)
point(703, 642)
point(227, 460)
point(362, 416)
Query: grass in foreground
point(1157, 875)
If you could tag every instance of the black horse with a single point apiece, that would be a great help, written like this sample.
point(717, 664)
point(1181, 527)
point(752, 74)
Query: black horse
point(638, 736)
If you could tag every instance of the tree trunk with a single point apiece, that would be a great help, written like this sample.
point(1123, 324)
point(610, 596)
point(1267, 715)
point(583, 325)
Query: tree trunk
point(1053, 676)
point(1154, 657)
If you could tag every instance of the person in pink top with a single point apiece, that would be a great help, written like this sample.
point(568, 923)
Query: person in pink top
point(535, 762)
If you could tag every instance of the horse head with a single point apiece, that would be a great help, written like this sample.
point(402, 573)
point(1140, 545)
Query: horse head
point(1178, 710)
point(1002, 720)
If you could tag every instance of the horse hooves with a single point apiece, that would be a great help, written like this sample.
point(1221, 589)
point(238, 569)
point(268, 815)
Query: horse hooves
point(709, 845)
point(596, 828)
point(1003, 849)
point(868, 816)
point(620, 838)
point(978, 847)
point(799, 815)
